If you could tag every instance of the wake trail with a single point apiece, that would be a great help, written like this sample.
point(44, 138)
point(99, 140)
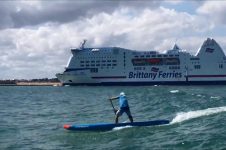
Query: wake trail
point(120, 128)
point(183, 116)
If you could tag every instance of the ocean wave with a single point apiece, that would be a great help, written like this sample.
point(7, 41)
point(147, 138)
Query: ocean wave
point(120, 128)
point(183, 116)
point(174, 91)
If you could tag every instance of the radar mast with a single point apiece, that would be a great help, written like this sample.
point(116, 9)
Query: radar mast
point(82, 44)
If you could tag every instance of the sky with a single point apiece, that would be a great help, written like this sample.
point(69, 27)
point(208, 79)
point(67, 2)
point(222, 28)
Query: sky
point(36, 36)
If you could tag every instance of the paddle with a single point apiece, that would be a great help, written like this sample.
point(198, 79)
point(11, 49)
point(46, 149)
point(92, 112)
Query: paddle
point(113, 106)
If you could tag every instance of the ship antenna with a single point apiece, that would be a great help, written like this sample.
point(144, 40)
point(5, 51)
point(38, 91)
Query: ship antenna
point(82, 44)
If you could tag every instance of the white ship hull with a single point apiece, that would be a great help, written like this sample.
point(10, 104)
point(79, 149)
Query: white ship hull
point(118, 66)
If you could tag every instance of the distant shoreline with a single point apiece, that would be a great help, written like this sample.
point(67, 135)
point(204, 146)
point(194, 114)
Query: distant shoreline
point(38, 84)
point(33, 84)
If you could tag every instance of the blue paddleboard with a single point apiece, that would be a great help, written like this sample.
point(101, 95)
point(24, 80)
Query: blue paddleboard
point(110, 126)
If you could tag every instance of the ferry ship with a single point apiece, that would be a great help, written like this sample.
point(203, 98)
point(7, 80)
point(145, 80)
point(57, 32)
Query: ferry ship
point(120, 66)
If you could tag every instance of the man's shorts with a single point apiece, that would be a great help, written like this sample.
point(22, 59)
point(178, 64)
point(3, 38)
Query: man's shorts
point(122, 110)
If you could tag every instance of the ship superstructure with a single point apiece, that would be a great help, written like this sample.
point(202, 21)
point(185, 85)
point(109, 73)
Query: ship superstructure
point(119, 66)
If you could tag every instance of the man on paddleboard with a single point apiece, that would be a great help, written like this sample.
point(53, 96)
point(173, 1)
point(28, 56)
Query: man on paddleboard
point(123, 107)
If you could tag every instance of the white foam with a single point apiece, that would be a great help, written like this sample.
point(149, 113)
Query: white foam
point(183, 116)
point(120, 128)
point(215, 97)
point(174, 91)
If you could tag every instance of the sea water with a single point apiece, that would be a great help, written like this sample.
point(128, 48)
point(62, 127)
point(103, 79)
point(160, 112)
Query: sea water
point(33, 117)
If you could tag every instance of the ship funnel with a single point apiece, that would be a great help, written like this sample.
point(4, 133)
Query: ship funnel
point(210, 48)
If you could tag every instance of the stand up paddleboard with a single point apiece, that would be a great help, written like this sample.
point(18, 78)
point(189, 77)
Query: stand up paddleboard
point(110, 126)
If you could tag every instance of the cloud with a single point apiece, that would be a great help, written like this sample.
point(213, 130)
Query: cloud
point(214, 10)
point(31, 53)
point(16, 14)
point(142, 31)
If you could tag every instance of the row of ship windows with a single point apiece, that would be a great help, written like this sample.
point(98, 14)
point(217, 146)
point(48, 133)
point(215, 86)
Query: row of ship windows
point(177, 67)
point(170, 67)
point(98, 61)
point(143, 56)
point(147, 56)
point(93, 52)
point(96, 57)
point(146, 53)
point(195, 58)
point(97, 65)
point(155, 61)
point(199, 66)
point(95, 70)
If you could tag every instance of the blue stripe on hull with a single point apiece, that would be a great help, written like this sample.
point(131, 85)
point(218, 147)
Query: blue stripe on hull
point(110, 126)
point(150, 83)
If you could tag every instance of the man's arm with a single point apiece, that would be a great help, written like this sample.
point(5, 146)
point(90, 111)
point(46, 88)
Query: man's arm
point(113, 98)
